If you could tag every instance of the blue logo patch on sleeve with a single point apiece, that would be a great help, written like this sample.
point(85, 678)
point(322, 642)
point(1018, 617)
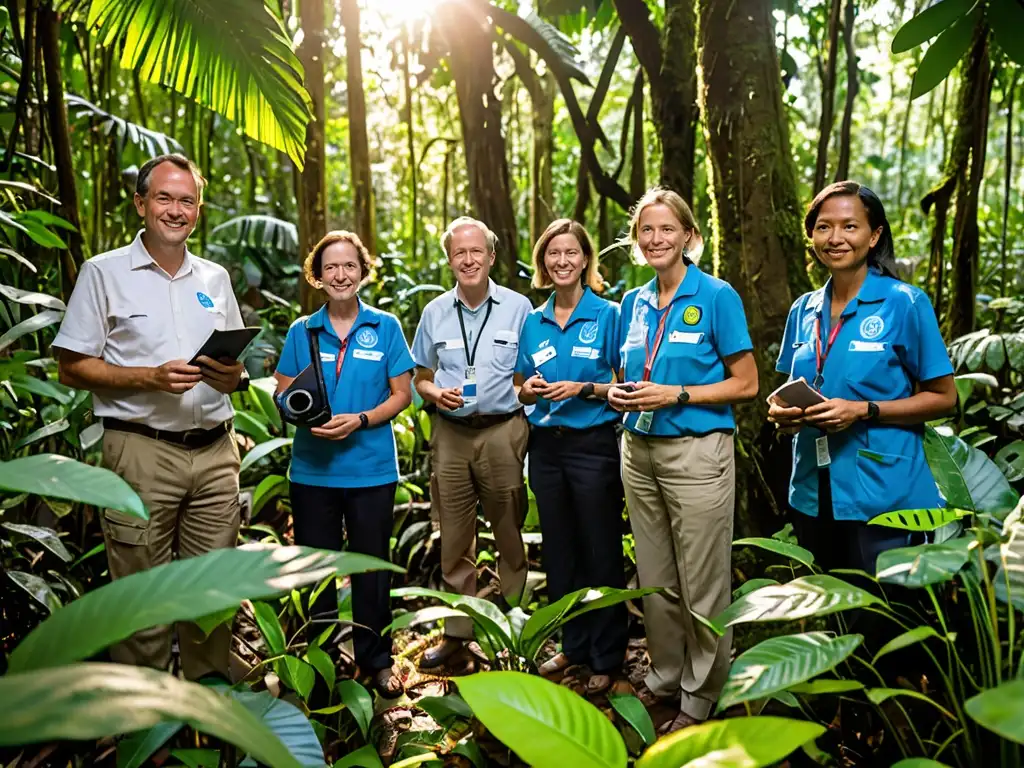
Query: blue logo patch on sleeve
point(204, 300)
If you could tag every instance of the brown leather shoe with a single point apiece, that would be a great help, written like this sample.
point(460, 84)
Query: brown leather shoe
point(439, 654)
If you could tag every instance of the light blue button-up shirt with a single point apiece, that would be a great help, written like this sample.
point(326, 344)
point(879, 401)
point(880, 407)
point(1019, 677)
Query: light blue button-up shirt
point(439, 346)
point(889, 340)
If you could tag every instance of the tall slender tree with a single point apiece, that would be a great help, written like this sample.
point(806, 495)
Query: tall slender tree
point(358, 143)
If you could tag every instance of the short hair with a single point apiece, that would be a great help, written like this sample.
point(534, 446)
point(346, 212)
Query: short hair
point(312, 267)
point(674, 202)
point(591, 277)
point(142, 179)
point(462, 221)
point(883, 255)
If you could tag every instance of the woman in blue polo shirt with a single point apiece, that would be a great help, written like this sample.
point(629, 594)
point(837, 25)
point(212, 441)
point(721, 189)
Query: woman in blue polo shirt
point(872, 346)
point(568, 355)
point(686, 358)
point(343, 474)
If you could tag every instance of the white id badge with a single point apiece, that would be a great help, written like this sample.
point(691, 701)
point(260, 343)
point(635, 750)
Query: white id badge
point(821, 451)
point(644, 422)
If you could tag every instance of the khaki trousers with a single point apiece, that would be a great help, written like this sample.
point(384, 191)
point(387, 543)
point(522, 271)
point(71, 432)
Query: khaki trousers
point(192, 498)
point(484, 465)
point(680, 493)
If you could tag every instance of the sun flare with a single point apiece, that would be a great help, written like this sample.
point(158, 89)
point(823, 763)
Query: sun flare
point(403, 10)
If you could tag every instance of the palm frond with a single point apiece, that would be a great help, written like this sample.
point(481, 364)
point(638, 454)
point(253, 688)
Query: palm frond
point(123, 131)
point(232, 56)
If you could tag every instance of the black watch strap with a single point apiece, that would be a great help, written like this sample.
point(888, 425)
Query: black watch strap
point(683, 397)
point(364, 421)
point(873, 411)
point(243, 383)
point(586, 391)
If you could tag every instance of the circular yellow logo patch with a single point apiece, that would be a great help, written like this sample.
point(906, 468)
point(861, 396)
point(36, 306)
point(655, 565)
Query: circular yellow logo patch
point(691, 315)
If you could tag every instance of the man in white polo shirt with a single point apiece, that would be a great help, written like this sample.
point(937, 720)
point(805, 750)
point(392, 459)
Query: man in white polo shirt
point(136, 317)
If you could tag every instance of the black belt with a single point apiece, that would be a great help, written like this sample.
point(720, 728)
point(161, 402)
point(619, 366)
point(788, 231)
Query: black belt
point(192, 438)
point(573, 431)
point(480, 420)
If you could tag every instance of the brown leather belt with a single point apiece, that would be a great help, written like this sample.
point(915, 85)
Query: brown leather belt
point(192, 438)
point(481, 420)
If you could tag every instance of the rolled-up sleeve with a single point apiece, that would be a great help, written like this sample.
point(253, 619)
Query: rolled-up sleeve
point(85, 326)
point(424, 354)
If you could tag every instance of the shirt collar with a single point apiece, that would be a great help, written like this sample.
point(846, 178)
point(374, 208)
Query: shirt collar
point(586, 308)
point(872, 290)
point(689, 286)
point(139, 257)
point(491, 294)
point(319, 320)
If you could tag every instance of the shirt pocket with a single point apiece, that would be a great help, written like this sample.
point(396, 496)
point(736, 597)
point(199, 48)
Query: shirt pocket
point(135, 331)
point(451, 356)
point(505, 350)
point(883, 481)
point(873, 372)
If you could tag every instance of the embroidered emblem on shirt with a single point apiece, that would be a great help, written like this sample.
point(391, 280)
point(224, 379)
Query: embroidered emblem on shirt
point(872, 327)
point(692, 315)
point(588, 333)
point(367, 338)
point(544, 343)
point(204, 300)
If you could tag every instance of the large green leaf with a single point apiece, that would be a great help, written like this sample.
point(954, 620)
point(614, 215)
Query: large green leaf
point(359, 703)
point(1008, 580)
point(58, 477)
point(945, 53)
point(784, 548)
point(136, 749)
point(919, 762)
point(123, 132)
point(1010, 459)
point(919, 519)
point(285, 721)
point(547, 725)
point(633, 711)
point(777, 663)
point(45, 536)
point(908, 638)
point(1001, 710)
point(182, 590)
point(815, 595)
point(37, 588)
point(924, 564)
point(967, 477)
point(928, 23)
point(747, 742)
point(878, 695)
point(32, 297)
point(35, 323)
point(484, 613)
point(90, 701)
point(262, 450)
point(1006, 17)
point(232, 56)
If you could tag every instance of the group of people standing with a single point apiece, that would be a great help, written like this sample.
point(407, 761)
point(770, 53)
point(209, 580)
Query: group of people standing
point(614, 405)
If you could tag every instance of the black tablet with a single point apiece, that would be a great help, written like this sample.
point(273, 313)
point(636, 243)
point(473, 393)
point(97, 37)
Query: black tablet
point(229, 344)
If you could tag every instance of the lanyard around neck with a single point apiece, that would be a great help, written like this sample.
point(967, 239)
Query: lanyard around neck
point(471, 356)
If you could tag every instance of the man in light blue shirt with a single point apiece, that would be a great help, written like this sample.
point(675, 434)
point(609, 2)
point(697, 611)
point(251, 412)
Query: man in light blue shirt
point(465, 351)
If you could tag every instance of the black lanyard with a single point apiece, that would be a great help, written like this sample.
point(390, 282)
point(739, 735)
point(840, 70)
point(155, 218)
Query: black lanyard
point(471, 357)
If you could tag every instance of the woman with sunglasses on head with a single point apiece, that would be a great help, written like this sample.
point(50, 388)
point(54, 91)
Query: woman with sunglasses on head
point(568, 356)
point(686, 359)
point(344, 473)
point(871, 346)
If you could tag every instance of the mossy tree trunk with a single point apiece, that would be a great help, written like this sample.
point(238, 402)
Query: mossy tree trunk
point(358, 142)
point(758, 241)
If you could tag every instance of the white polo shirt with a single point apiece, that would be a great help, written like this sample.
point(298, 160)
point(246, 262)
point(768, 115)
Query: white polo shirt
point(128, 311)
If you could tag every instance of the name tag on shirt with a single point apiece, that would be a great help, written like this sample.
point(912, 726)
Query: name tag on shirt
point(368, 354)
point(454, 344)
point(684, 337)
point(539, 358)
point(821, 451)
point(328, 357)
point(867, 346)
point(587, 353)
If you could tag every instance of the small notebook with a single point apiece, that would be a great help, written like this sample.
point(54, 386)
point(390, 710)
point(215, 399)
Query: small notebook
point(797, 394)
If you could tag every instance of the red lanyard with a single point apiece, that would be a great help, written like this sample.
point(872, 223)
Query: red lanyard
point(652, 353)
point(339, 361)
point(820, 356)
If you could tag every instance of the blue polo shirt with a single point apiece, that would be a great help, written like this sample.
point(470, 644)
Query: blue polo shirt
point(376, 352)
point(587, 349)
point(889, 339)
point(705, 323)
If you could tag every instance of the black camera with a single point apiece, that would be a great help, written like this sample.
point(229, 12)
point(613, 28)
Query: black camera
point(305, 403)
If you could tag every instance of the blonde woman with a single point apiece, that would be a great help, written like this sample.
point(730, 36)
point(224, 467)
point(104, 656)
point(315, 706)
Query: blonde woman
point(686, 359)
point(568, 356)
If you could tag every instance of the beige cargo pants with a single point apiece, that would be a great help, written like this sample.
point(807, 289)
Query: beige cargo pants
point(192, 498)
point(680, 493)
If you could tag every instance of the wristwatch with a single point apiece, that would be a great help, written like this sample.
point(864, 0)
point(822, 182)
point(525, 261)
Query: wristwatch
point(872, 411)
point(243, 383)
point(586, 391)
point(364, 421)
point(683, 398)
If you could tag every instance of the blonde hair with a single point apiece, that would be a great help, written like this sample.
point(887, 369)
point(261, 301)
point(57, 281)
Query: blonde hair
point(670, 199)
point(462, 221)
point(312, 267)
point(591, 277)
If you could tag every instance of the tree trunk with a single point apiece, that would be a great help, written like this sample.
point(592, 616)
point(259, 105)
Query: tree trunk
point(852, 86)
point(963, 175)
point(1007, 183)
point(311, 188)
point(828, 96)
point(410, 135)
point(358, 142)
point(471, 59)
point(758, 238)
point(637, 169)
point(49, 37)
point(669, 62)
point(542, 194)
